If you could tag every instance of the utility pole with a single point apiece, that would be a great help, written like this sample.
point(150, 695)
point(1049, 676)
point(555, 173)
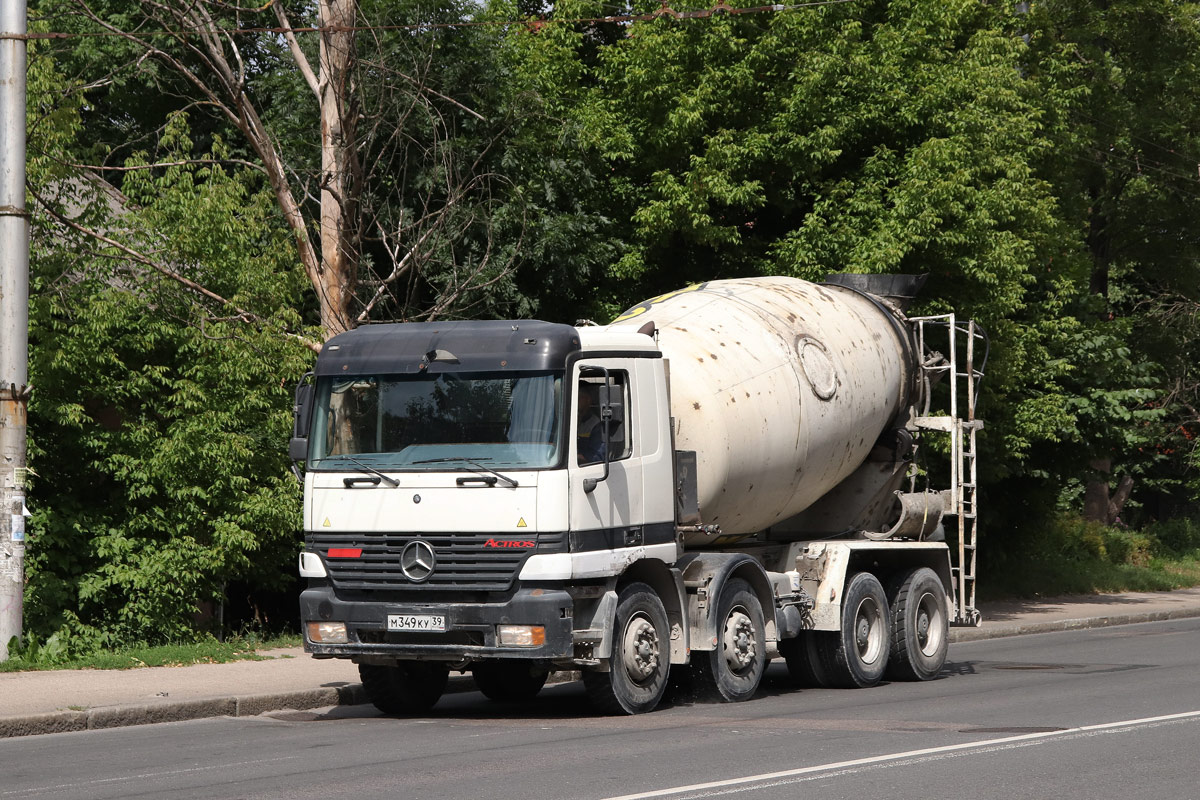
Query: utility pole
point(14, 319)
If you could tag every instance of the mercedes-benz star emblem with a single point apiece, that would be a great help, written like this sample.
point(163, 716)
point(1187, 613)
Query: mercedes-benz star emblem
point(417, 561)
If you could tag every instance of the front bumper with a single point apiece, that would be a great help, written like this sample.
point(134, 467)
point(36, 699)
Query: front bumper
point(470, 627)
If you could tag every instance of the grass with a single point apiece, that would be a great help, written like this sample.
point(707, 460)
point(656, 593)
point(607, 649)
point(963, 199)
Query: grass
point(1071, 556)
point(207, 651)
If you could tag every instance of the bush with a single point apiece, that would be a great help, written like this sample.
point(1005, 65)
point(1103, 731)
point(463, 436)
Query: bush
point(1177, 536)
point(1068, 555)
point(1128, 547)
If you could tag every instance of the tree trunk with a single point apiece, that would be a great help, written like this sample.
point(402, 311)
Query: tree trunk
point(1117, 504)
point(1095, 498)
point(341, 175)
point(1098, 246)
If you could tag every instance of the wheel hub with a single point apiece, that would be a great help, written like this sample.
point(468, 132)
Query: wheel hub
point(930, 624)
point(641, 651)
point(862, 633)
point(869, 631)
point(740, 646)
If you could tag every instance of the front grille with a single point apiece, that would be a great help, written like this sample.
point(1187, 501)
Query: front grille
point(464, 560)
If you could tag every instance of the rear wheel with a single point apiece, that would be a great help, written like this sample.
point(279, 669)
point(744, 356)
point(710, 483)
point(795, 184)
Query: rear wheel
point(920, 636)
point(803, 658)
point(640, 657)
point(410, 687)
point(509, 681)
point(857, 655)
point(733, 670)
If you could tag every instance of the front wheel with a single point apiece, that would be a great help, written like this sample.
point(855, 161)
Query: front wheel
point(509, 681)
point(857, 655)
point(920, 627)
point(640, 657)
point(410, 687)
point(732, 672)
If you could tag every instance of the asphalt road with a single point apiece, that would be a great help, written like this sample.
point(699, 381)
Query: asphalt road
point(1105, 713)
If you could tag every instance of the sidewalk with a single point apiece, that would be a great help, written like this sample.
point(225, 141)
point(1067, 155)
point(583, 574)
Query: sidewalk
point(76, 700)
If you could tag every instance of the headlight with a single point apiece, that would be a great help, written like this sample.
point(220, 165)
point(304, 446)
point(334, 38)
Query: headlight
point(328, 632)
point(520, 635)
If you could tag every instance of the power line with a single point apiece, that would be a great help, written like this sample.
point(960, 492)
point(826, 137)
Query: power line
point(1136, 168)
point(665, 11)
point(1188, 159)
point(1110, 165)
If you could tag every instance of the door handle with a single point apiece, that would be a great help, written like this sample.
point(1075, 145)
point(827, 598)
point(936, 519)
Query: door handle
point(349, 482)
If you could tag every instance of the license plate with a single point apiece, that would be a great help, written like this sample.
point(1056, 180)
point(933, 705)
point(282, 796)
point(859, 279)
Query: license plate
point(417, 622)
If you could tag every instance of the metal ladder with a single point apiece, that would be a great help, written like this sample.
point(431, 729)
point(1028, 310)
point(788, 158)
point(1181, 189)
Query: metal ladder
point(961, 500)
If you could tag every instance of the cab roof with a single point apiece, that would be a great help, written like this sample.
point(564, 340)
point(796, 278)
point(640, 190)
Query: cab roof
point(456, 346)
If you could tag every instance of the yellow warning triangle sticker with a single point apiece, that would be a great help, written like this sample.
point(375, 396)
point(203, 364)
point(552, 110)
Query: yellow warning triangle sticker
point(521, 523)
point(326, 524)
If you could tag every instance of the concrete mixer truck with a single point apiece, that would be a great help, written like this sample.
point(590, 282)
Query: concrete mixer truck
point(739, 471)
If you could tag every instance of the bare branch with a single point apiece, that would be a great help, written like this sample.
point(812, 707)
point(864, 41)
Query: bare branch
point(162, 164)
point(401, 266)
point(297, 54)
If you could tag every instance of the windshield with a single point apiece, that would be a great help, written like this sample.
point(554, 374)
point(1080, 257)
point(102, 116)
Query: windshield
point(433, 422)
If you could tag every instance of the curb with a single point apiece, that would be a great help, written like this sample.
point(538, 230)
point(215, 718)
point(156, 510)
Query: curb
point(353, 694)
point(151, 713)
point(1083, 623)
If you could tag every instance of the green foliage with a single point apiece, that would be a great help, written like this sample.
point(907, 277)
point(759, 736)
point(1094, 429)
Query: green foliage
point(1067, 555)
point(157, 420)
point(1121, 107)
point(1180, 536)
point(35, 654)
point(880, 137)
point(865, 138)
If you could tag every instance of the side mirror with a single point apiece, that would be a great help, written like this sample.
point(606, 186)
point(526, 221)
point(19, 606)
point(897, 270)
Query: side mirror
point(302, 408)
point(298, 448)
point(301, 420)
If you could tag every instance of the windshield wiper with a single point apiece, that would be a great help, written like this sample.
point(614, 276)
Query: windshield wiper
point(474, 463)
point(368, 468)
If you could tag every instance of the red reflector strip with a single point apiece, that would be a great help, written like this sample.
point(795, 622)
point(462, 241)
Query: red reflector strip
point(344, 552)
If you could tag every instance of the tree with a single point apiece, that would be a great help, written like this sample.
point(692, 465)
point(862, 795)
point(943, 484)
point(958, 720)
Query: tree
point(864, 137)
point(158, 484)
point(171, 256)
point(387, 244)
point(1122, 78)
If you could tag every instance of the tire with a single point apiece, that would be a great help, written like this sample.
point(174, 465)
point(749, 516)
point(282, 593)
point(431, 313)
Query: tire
point(509, 681)
point(804, 659)
point(856, 657)
point(640, 658)
point(731, 673)
point(920, 635)
point(410, 687)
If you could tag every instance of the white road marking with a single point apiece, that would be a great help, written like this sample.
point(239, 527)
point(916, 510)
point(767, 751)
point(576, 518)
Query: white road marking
point(844, 766)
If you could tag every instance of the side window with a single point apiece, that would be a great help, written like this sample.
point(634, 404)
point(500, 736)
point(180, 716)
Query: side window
point(589, 397)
